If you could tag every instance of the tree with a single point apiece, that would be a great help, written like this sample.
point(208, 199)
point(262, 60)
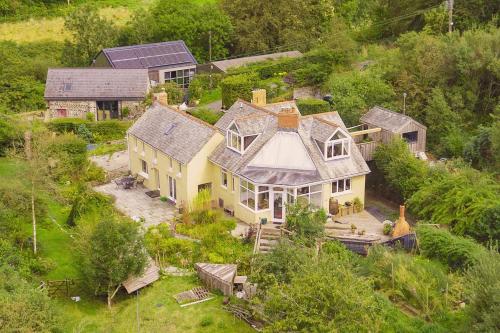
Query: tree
point(111, 253)
point(307, 223)
point(258, 27)
point(90, 34)
point(187, 20)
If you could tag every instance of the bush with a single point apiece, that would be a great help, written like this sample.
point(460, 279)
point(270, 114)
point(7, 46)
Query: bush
point(237, 86)
point(175, 94)
point(483, 291)
point(65, 125)
point(11, 134)
point(84, 133)
point(305, 222)
point(201, 83)
point(108, 130)
point(312, 106)
point(206, 115)
point(168, 250)
point(70, 155)
point(456, 252)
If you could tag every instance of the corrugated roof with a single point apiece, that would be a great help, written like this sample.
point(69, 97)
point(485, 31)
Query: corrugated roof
point(173, 132)
point(224, 65)
point(280, 174)
point(174, 53)
point(96, 83)
point(387, 119)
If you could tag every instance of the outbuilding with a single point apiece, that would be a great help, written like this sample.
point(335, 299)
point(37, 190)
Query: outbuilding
point(394, 124)
point(165, 62)
point(104, 93)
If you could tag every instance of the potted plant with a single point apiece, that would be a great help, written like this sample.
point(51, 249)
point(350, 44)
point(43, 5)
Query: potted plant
point(353, 228)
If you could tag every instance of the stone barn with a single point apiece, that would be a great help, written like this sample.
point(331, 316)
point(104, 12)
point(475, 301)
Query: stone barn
point(105, 93)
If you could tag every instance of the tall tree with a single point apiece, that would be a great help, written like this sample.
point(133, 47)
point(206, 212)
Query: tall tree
point(262, 25)
point(111, 253)
point(90, 34)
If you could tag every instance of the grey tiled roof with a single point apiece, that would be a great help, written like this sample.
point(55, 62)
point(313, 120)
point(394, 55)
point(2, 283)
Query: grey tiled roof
point(325, 170)
point(173, 132)
point(252, 124)
point(276, 107)
point(96, 83)
point(387, 119)
point(174, 53)
point(224, 65)
point(322, 130)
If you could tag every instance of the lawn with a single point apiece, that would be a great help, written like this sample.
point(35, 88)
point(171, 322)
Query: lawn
point(158, 312)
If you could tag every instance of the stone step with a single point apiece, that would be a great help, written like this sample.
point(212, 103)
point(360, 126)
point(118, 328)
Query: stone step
point(268, 241)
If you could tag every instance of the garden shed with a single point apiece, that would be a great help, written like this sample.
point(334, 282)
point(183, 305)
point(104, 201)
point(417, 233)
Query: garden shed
point(150, 275)
point(393, 124)
point(217, 276)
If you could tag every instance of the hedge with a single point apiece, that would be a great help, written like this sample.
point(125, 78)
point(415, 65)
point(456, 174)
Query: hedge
point(237, 86)
point(312, 106)
point(454, 251)
point(105, 130)
point(201, 83)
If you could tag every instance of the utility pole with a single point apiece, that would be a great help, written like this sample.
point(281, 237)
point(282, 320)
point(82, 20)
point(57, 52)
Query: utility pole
point(29, 156)
point(210, 56)
point(404, 103)
point(137, 313)
point(450, 16)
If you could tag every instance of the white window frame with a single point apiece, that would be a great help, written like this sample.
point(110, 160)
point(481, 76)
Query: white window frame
point(172, 188)
point(244, 184)
point(309, 193)
point(223, 179)
point(144, 165)
point(239, 139)
point(345, 145)
point(343, 181)
point(258, 192)
point(233, 184)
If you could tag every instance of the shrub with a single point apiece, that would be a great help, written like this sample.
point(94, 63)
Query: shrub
point(305, 222)
point(64, 125)
point(201, 83)
point(312, 106)
point(10, 134)
point(175, 94)
point(483, 291)
point(454, 251)
point(109, 129)
point(387, 229)
point(84, 133)
point(206, 115)
point(237, 86)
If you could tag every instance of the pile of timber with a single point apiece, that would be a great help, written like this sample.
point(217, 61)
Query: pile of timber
point(245, 315)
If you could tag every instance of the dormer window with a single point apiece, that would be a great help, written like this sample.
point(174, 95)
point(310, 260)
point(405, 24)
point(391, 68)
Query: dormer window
point(236, 141)
point(338, 146)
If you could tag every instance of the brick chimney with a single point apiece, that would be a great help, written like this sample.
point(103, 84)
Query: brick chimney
point(288, 118)
point(161, 98)
point(259, 97)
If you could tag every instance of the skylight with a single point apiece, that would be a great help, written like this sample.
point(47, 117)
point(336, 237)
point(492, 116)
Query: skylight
point(67, 87)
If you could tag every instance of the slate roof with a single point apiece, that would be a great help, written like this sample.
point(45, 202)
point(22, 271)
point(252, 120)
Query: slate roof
point(276, 107)
point(322, 130)
point(387, 119)
point(96, 83)
point(224, 65)
point(324, 170)
point(173, 132)
point(164, 54)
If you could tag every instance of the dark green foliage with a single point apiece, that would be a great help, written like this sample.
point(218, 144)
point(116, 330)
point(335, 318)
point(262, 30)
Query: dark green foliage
point(24, 68)
point(312, 106)
point(483, 291)
point(207, 115)
point(84, 200)
point(90, 34)
point(187, 20)
point(403, 172)
point(24, 308)
point(101, 131)
point(11, 134)
point(168, 250)
point(479, 150)
point(84, 133)
point(354, 93)
point(464, 199)
point(69, 155)
point(306, 223)
point(258, 27)
point(454, 251)
point(237, 86)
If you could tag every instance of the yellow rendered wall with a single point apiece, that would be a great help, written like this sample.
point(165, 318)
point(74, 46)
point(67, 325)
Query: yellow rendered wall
point(357, 190)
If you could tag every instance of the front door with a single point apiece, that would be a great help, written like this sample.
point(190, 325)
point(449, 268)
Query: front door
point(278, 206)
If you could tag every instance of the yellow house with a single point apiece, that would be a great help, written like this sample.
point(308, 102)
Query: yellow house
point(257, 158)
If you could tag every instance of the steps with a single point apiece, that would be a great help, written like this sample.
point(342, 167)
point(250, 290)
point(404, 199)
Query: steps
point(266, 239)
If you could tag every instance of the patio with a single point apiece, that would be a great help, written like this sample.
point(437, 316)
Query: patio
point(135, 203)
point(340, 227)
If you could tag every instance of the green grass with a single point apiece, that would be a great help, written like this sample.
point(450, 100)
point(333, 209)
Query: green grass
point(158, 312)
point(211, 96)
point(108, 149)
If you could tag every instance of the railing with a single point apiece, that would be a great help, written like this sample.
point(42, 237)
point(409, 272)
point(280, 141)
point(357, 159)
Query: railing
point(257, 239)
point(367, 149)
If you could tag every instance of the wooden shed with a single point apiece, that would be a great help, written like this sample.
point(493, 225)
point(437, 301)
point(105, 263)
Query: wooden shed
point(394, 124)
point(217, 276)
point(150, 275)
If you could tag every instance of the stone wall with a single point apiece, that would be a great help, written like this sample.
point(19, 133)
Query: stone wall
point(74, 109)
point(135, 107)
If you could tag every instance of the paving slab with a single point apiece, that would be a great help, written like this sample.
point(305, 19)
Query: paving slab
point(136, 204)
